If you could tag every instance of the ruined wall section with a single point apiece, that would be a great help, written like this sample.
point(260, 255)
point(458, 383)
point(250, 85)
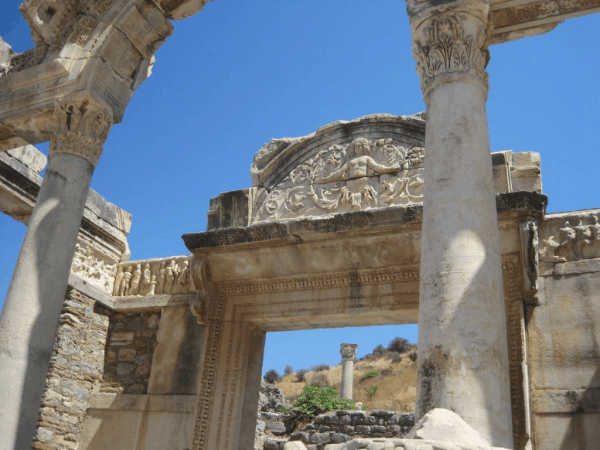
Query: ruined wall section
point(130, 346)
point(75, 372)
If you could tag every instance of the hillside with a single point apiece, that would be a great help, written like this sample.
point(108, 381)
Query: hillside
point(396, 384)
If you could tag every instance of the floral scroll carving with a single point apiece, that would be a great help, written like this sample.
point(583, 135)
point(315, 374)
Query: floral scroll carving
point(82, 127)
point(444, 48)
point(155, 277)
point(361, 175)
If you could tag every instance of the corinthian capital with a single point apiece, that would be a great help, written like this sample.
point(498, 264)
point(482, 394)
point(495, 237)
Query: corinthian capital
point(450, 42)
point(82, 126)
point(348, 351)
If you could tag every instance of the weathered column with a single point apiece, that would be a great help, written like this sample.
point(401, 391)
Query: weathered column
point(463, 357)
point(37, 290)
point(348, 352)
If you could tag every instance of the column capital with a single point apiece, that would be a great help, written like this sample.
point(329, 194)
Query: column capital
point(82, 124)
point(348, 351)
point(450, 42)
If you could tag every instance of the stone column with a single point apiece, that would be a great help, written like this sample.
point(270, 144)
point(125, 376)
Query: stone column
point(37, 290)
point(348, 352)
point(463, 357)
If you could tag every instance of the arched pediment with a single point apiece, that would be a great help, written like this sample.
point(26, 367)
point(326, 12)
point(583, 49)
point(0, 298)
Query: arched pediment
point(371, 162)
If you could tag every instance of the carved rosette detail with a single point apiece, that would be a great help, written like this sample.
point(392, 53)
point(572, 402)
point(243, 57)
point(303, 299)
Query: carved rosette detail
point(82, 127)
point(445, 51)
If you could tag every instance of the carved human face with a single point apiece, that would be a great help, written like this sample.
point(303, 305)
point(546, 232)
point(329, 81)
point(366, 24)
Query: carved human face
point(361, 147)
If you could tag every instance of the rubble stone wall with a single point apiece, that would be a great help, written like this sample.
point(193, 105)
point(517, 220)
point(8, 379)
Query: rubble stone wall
point(129, 352)
point(75, 372)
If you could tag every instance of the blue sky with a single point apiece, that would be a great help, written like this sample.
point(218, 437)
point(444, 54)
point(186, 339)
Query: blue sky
point(242, 72)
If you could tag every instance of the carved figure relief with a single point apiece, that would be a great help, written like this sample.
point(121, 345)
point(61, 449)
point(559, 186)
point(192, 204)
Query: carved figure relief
point(356, 176)
point(169, 276)
point(577, 238)
point(94, 267)
point(443, 47)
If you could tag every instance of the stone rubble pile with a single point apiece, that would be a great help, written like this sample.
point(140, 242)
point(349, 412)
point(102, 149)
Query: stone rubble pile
point(270, 419)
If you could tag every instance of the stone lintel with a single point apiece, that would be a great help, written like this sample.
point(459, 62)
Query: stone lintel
point(515, 204)
point(83, 286)
point(151, 302)
point(140, 402)
point(553, 401)
point(516, 19)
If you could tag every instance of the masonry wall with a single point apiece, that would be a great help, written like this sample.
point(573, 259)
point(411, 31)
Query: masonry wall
point(75, 372)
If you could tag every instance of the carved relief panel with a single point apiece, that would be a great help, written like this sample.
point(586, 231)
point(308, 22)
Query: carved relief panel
point(94, 266)
point(360, 175)
point(572, 237)
point(154, 277)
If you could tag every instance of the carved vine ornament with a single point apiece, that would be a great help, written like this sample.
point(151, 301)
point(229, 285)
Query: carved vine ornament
point(363, 174)
point(443, 48)
point(82, 128)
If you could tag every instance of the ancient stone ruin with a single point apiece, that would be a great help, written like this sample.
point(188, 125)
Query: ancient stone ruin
point(367, 222)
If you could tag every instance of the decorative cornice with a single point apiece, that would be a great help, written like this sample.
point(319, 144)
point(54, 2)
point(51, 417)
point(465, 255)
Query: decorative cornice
point(451, 46)
point(82, 126)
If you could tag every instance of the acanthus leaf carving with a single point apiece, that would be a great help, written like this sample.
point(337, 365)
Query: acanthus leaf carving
point(200, 306)
point(360, 175)
point(348, 351)
point(441, 47)
point(82, 127)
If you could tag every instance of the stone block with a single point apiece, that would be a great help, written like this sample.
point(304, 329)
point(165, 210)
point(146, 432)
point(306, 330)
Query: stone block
point(324, 428)
point(382, 413)
point(363, 429)
point(345, 420)
point(260, 426)
point(394, 420)
point(277, 428)
point(343, 412)
point(294, 445)
point(331, 418)
point(300, 436)
point(338, 438)
point(126, 354)
point(348, 429)
point(320, 438)
point(124, 368)
point(407, 419)
point(395, 429)
point(378, 429)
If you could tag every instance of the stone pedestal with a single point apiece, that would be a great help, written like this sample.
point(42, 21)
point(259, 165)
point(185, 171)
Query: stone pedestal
point(348, 352)
point(37, 290)
point(463, 357)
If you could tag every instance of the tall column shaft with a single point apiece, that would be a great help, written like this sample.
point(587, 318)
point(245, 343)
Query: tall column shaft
point(37, 290)
point(463, 356)
point(348, 352)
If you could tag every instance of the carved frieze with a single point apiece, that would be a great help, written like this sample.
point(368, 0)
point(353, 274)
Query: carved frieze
point(359, 175)
point(154, 277)
point(82, 126)
point(445, 49)
point(570, 238)
point(94, 266)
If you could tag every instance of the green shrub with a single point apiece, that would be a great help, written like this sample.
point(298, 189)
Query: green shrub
point(372, 374)
point(311, 403)
point(272, 376)
point(301, 375)
point(399, 345)
point(319, 379)
point(320, 368)
point(371, 391)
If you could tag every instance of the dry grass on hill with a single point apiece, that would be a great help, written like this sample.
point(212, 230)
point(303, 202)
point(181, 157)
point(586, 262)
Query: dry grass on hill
point(395, 390)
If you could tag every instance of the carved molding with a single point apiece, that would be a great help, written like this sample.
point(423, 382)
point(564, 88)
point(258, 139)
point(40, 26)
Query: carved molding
point(530, 249)
point(393, 274)
point(515, 327)
point(450, 46)
point(360, 175)
point(82, 126)
point(200, 306)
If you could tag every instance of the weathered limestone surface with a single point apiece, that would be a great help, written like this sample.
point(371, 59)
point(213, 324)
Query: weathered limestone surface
point(564, 338)
point(463, 354)
point(348, 352)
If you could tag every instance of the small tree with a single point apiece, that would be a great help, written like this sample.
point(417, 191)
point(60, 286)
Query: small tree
point(399, 345)
point(413, 356)
point(288, 370)
point(311, 403)
point(301, 375)
point(272, 376)
point(371, 391)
